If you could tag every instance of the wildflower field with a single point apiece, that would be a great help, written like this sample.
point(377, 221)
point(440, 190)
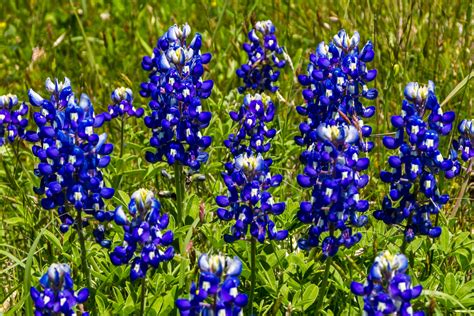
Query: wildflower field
point(236, 157)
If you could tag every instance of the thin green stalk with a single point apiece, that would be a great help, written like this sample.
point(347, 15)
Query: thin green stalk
point(178, 177)
point(253, 272)
point(84, 265)
point(323, 288)
point(122, 124)
point(143, 297)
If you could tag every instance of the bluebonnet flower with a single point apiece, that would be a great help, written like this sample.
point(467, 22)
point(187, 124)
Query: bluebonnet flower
point(465, 141)
point(248, 177)
point(71, 155)
point(122, 99)
point(13, 119)
point(216, 292)
point(176, 88)
point(388, 290)
point(146, 243)
point(255, 111)
point(57, 296)
point(413, 181)
point(248, 201)
point(264, 59)
point(333, 137)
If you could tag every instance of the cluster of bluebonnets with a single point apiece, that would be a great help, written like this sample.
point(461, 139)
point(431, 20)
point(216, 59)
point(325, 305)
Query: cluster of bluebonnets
point(413, 177)
point(176, 88)
point(333, 137)
point(57, 295)
point(335, 141)
point(388, 289)
point(216, 292)
point(248, 176)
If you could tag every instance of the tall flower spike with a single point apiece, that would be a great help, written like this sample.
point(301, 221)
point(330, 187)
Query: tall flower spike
point(57, 296)
point(260, 72)
point(71, 156)
point(176, 88)
point(248, 177)
point(416, 167)
point(146, 241)
point(333, 137)
point(13, 120)
point(388, 290)
point(216, 292)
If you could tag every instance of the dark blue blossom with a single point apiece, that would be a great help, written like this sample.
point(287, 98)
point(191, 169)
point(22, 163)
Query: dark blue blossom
point(413, 175)
point(334, 137)
point(216, 292)
point(145, 241)
point(255, 111)
point(465, 141)
point(176, 88)
point(264, 58)
point(57, 296)
point(71, 155)
point(388, 290)
point(248, 201)
point(13, 119)
point(122, 99)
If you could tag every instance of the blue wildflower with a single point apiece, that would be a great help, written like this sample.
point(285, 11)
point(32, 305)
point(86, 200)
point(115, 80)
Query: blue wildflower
point(122, 99)
point(71, 155)
point(13, 119)
point(146, 243)
point(413, 175)
point(334, 137)
point(176, 88)
point(264, 58)
point(216, 292)
point(248, 201)
point(465, 141)
point(57, 296)
point(388, 290)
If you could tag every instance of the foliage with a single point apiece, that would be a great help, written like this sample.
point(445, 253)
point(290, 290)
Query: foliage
point(99, 44)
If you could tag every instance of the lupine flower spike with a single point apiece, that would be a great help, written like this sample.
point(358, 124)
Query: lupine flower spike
point(248, 177)
point(216, 292)
point(13, 120)
point(264, 59)
point(416, 167)
point(57, 296)
point(388, 290)
point(333, 137)
point(176, 88)
point(71, 156)
point(146, 241)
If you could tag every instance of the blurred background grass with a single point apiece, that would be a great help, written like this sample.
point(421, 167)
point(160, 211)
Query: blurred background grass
point(99, 46)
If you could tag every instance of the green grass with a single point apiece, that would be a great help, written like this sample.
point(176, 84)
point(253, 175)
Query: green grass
point(99, 46)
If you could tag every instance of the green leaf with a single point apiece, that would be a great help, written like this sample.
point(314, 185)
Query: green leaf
point(27, 281)
point(309, 296)
point(450, 283)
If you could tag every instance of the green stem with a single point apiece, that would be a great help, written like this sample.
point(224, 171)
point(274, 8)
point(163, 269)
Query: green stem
point(253, 267)
point(84, 265)
point(122, 126)
point(178, 177)
point(323, 288)
point(143, 297)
